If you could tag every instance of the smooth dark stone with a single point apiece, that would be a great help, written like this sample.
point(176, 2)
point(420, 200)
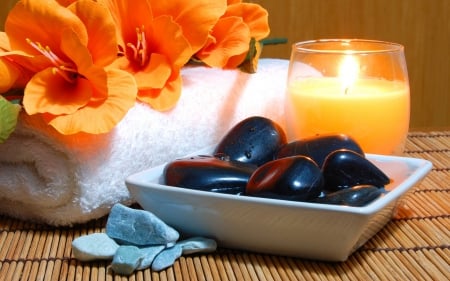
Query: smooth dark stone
point(292, 178)
point(254, 140)
point(319, 147)
point(209, 173)
point(345, 168)
point(357, 196)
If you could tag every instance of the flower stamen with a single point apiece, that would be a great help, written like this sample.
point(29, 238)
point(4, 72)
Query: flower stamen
point(66, 70)
point(139, 50)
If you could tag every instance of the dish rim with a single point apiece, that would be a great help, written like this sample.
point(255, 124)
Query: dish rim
point(150, 179)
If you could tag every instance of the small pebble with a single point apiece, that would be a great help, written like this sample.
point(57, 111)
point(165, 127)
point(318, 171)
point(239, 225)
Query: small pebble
point(126, 259)
point(167, 257)
point(138, 227)
point(197, 245)
point(148, 255)
point(96, 246)
point(136, 240)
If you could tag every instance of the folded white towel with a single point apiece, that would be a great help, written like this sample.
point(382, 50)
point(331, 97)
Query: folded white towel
point(63, 180)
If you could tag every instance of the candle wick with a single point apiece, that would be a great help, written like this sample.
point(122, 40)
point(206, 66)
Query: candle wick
point(346, 91)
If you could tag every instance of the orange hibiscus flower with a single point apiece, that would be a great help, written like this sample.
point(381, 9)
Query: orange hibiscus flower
point(157, 38)
point(12, 74)
point(230, 39)
point(72, 88)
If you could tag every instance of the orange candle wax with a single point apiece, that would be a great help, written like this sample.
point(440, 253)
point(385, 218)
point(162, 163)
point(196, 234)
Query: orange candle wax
point(374, 112)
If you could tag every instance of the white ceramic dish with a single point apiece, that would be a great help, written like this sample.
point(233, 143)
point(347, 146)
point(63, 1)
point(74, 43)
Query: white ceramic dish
point(307, 230)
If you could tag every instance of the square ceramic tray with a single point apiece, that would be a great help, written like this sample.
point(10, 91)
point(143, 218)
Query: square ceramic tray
point(300, 229)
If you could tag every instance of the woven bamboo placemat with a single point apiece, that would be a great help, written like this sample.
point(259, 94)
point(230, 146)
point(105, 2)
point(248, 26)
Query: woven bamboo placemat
point(414, 245)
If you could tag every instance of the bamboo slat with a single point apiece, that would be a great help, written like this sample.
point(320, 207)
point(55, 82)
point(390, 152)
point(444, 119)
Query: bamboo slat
point(414, 245)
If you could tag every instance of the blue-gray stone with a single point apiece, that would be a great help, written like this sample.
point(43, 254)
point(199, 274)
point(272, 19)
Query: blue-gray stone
point(138, 227)
point(167, 257)
point(197, 245)
point(96, 246)
point(148, 255)
point(126, 259)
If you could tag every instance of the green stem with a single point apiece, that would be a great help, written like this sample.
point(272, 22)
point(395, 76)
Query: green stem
point(274, 41)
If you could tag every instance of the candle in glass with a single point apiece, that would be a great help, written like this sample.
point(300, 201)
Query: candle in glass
point(355, 87)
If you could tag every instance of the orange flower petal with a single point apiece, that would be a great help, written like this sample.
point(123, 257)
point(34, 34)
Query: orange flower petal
point(100, 117)
point(23, 64)
point(255, 16)
point(75, 51)
point(167, 38)
point(65, 3)
point(232, 37)
point(165, 98)
point(155, 74)
point(48, 92)
point(80, 56)
point(9, 72)
point(128, 15)
point(26, 63)
point(4, 42)
point(196, 17)
point(235, 61)
point(41, 21)
point(99, 25)
point(8, 75)
point(167, 49)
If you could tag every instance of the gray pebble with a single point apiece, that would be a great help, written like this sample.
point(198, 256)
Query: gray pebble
point(138, 227)
point(167, 257)
point(96, 246)
point(148, 255)
point(126, 259)
point(197, 245)
point(144, 241)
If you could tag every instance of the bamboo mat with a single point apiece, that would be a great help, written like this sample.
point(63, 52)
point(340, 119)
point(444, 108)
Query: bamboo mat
point(415, 245)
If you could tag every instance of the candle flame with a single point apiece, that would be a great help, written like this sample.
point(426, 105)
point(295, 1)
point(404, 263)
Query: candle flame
point(348, 72)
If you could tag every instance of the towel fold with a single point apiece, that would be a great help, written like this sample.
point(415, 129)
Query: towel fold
point(64, 180)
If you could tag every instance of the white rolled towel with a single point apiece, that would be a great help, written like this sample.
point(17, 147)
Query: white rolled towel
point(63, 180)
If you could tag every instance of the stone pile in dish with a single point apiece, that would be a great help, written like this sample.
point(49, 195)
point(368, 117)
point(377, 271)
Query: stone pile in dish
point(255, 159)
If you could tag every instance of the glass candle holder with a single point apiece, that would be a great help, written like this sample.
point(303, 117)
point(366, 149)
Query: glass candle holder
point(355, 87)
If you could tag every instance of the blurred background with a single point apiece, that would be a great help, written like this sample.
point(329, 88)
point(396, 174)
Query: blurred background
point(422, 26)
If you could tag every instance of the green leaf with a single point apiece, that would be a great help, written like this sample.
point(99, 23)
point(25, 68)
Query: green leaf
point(9, 113)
